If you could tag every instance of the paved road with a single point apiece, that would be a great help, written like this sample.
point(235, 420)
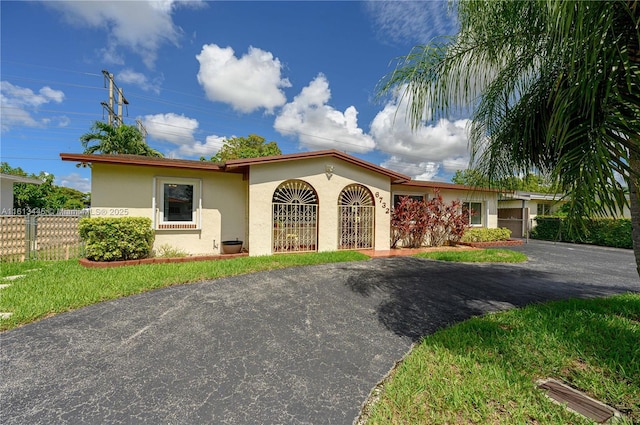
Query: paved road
point(297, 346)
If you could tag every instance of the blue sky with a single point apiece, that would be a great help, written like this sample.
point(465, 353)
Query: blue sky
point(300, 73)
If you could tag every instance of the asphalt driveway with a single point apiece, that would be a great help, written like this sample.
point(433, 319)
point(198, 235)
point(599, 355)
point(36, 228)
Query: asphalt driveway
point(296, 346)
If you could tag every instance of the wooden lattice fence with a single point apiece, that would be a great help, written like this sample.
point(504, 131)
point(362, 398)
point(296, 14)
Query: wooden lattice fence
point(42, 237)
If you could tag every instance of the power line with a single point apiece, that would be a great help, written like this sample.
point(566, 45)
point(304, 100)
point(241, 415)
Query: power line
point(248, 119)
point(116, 119)
point(52, 68)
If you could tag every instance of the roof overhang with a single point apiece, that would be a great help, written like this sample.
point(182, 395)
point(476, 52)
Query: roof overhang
point(331, 153)
point(416, 184)
point(139, 160)
point(531, 196)
point(233, 166)
point(19, 179)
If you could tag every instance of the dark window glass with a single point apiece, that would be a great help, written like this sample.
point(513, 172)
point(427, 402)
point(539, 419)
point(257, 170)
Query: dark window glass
point(396, 198)
point(178, 202)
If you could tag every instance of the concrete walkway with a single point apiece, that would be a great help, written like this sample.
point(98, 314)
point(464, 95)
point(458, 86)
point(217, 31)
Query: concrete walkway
point(297, 346)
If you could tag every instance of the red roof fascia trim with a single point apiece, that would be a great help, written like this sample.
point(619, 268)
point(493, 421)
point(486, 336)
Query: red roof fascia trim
point(141, 160)
point(237, 163)
point(442, 185)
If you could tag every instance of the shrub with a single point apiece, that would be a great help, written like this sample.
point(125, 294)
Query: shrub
point(415, 223)
point(167, 251)
point(445, 222)
point(114, 239)
point(409, 223)
point(547, 228)
point(611, 232)
point(614, 232)
point(486, 235)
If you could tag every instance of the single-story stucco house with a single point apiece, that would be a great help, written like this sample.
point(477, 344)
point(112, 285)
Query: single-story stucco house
point(517, 210)
point(312, 201)
point(6, 191)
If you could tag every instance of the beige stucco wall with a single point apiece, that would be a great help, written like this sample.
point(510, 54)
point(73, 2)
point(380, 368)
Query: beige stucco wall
point(6, 197)
point(118, 190)
point(489, 200)
point(532, 205)
point(511, 203)
point(265, 178)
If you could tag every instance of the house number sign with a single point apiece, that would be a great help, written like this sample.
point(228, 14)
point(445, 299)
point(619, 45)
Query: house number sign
point(382, 203)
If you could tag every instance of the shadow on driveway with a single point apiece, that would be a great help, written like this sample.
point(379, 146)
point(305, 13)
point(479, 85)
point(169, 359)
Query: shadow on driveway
point(297, 346)
point(420, 299)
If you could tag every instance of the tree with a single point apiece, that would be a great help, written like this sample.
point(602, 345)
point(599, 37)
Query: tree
point(46, 196)
point(529, 183)
point(122, 139)
point(253, 146)
point(552, 86)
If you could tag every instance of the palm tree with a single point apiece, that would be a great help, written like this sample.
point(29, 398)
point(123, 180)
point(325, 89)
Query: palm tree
point(123, 139)
point(552, 85)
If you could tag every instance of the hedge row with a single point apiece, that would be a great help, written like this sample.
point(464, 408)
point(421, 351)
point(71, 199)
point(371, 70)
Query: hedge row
point(614, 232)
point(115, 239)
point(486, 235)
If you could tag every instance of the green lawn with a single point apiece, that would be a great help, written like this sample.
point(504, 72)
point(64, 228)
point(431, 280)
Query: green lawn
point(59, 286)
point(483, 371)
point(477, 256)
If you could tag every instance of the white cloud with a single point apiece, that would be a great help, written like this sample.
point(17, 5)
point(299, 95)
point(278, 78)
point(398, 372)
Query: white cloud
point(58, 121)
point(320, 126)
point(129, 76)
point(19, 103)
point(51, 95)
point(142, 26)
point(208, 148)
point(422, 153)
point(411, 21)
point(181, 131)
point(248, 83)
point(74, 181)
point(426, 170)
point(172, 128)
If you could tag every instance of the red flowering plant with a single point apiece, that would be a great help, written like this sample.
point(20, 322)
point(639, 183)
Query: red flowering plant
point(415, 223)
point(446, 222)
point(409, 223)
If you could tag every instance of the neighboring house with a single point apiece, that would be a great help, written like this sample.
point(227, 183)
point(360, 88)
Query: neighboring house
point(312, 201)
point(6, 191)
point(517, 210)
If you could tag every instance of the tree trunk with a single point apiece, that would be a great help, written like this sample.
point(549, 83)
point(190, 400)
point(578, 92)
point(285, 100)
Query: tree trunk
point(634, 156)
point(634, 203)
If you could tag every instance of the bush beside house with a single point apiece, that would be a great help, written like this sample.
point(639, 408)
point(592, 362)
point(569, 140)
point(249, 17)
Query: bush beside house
point(613, 232)
point(116, 239)
point(486, 235)
point(416, 223)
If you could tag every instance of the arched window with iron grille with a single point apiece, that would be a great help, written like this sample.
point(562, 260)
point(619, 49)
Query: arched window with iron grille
point(295, 217)
point(356, 211)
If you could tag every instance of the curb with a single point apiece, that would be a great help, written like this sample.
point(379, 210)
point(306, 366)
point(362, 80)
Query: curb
point(106, 264)
point(510, 242)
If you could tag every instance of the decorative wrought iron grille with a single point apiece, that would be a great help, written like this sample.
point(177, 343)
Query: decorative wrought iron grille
point(357, 212)
point(295, 217)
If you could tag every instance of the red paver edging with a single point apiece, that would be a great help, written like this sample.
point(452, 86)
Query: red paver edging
point(104, 264)
point(510, 242)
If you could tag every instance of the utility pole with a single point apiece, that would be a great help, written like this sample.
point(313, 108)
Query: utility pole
point(142, 130)
point(121, 100)
point(113, 118)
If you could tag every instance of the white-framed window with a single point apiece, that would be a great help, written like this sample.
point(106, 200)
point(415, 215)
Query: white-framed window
point(473, 212)
point(178, 203)
point(543, 209)
point(416, 197)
